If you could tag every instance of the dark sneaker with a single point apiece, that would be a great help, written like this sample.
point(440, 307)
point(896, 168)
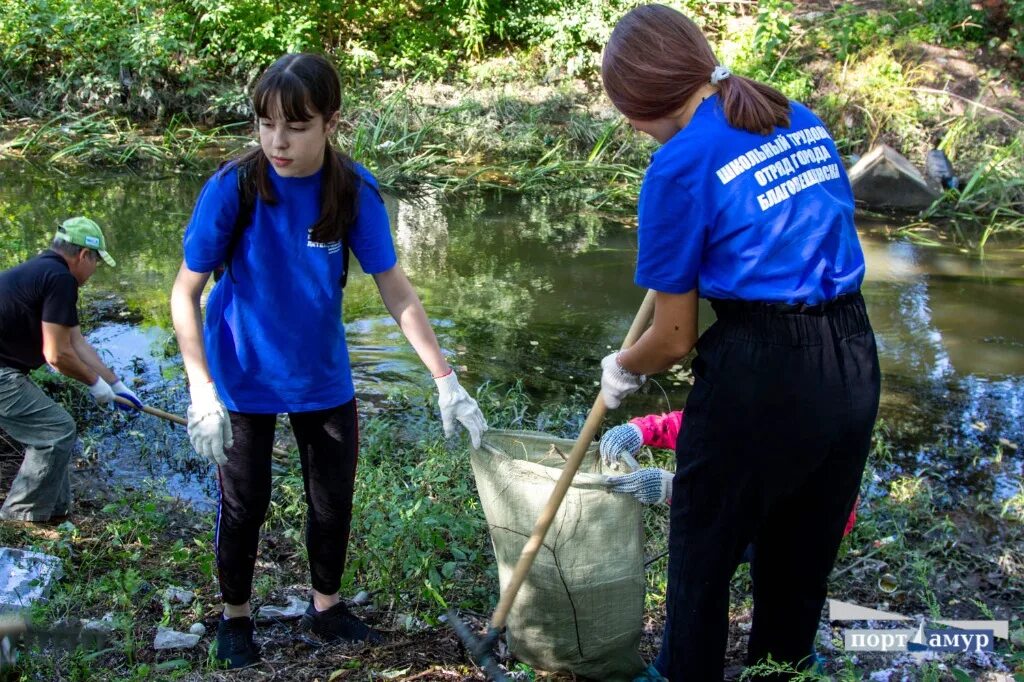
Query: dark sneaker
point(235, 644)
point(338, 624)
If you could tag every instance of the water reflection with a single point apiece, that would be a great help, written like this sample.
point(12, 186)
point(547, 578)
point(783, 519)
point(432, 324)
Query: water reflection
point(537, 289)
point(142, 450)
point(421, 233)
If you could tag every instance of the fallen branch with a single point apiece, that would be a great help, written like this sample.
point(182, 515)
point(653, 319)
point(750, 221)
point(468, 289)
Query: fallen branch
point(435, 670)
point(936, 91)
point(856, 563)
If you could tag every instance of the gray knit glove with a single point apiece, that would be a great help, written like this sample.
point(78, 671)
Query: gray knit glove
point(621, 442)
point(648, 486)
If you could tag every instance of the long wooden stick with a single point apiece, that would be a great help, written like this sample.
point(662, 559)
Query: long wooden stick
point(172, 417)
point(153, 411)
point(547, 516)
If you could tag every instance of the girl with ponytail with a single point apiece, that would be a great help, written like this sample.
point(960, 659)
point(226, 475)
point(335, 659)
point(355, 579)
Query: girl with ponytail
point(283, 218)
point(745, 204)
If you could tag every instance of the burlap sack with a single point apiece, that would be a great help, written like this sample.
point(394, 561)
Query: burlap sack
point(581, 606)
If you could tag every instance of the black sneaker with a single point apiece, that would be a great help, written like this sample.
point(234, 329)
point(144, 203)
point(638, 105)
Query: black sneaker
point(338, 624)
point(235, 644)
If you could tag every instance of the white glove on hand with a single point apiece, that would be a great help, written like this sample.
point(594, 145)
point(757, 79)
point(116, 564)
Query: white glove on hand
point(648, 486)
point(456, 403)
point(617, 382)
point(101, 392)
point(209, 425)
point(622, 442)
point(123, 391)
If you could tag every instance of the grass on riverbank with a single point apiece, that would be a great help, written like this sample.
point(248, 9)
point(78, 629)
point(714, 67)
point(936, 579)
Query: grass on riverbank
point(546, 139)
point(554, 139)
point(988, 205)
point(929, 544)
point(66, 142)
point(893, 72)
point(410, 135)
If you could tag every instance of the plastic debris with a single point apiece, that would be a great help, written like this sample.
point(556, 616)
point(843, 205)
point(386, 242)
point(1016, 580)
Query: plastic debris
point(25, 577)
point(940, 170)
point(294, 609)
point(103, 625)
point(179, 594)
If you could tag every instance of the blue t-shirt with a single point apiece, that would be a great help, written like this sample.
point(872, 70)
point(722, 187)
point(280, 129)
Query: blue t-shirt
point(274, 336)
point(738, 215)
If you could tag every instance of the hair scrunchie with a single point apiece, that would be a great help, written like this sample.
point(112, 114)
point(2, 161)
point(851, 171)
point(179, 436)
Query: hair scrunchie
point(720, 74)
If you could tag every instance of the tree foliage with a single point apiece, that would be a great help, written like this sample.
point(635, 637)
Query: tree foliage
point(149, 57)
point(154, 59)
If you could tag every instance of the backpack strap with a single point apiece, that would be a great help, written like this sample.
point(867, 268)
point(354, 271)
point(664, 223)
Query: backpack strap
point(344, 264)
point(376, 190)
point(246, 207)
point(247, 194)
point(347, 252)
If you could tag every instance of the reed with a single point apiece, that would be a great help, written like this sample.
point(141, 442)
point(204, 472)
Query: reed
point(989, 205)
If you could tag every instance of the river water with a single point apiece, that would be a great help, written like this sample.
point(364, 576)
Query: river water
point(537, 289)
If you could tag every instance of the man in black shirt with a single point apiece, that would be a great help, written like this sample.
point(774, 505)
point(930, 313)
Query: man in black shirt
point(39, 324)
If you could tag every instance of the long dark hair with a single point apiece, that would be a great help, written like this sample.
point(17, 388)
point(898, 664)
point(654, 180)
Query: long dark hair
point(657, 58)
point(305, 85)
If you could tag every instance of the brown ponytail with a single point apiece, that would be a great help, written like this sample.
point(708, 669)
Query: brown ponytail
point(657, 58)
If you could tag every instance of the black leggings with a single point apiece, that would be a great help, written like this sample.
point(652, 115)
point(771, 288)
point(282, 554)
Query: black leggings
point(777, 430)
point(328, 451)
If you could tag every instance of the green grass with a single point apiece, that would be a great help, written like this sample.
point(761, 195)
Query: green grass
point(990, 203)
point(566, 142)
point(559, 145)
point(531, 117)
point(419, 542)
point(69, 141)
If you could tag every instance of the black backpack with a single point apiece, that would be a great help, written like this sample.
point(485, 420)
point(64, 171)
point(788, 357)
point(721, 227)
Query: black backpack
point(246, 207)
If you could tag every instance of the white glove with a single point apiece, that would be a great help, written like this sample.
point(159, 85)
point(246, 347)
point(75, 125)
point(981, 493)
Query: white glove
point(648, 486)
point(622, 442)
point(123, 391)
point(209, 425)
point(617, 382)
point(101, 392)
point(456, 403)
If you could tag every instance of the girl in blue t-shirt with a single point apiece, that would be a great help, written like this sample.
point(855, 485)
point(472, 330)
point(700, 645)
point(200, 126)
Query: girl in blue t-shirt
point(282, 219)
point(746, 203)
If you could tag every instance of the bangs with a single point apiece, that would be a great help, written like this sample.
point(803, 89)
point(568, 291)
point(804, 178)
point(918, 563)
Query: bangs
point(288, 89)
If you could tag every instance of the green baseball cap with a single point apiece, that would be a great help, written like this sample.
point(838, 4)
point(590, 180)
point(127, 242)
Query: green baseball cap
point(84, 232)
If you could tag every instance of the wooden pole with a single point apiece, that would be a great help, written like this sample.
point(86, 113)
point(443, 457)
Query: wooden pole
point(583, 441)
point(172, 417)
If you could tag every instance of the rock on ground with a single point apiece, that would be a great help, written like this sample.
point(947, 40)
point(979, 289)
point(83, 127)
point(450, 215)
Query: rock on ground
point(172, 639)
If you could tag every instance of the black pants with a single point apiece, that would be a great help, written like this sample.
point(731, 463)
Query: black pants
point(328, 450)
point(778, 427)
